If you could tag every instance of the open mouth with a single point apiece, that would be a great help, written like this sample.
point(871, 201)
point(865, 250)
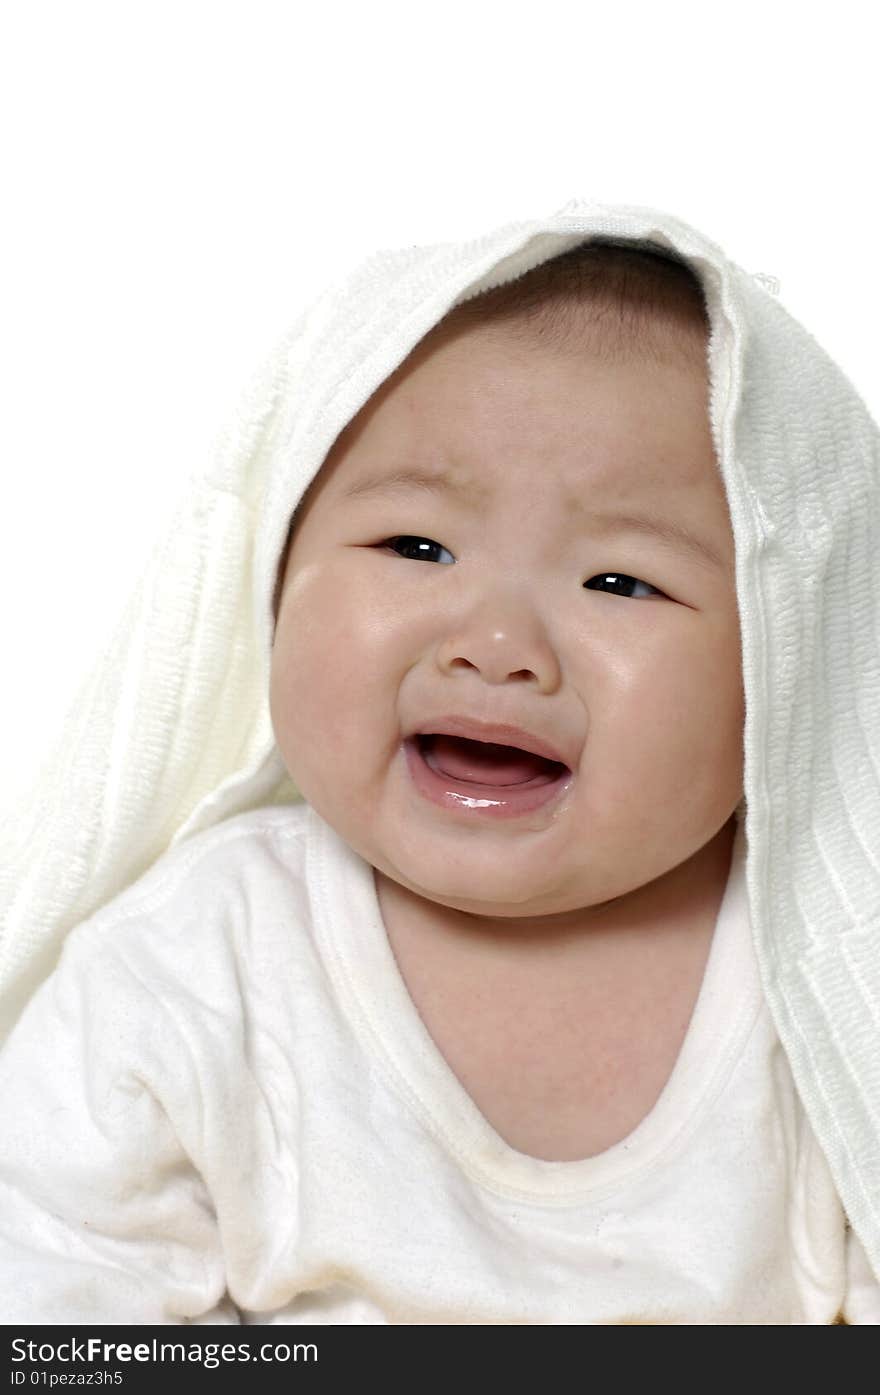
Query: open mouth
point(481, 779)
point(486, 763)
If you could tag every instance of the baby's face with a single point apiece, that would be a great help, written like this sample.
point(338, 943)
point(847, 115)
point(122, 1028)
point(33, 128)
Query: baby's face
point(509, 598)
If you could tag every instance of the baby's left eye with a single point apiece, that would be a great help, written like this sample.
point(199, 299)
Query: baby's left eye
point(621, 585)
point(417, 547)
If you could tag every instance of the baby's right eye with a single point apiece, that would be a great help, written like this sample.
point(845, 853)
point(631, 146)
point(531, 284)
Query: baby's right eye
point(416, 547)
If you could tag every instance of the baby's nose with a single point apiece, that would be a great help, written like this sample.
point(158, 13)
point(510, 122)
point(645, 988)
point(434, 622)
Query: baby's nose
point(502, 649)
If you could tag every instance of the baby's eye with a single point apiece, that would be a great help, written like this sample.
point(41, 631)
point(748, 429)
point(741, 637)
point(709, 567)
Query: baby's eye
point(621, 585)
point(416, 547)
point(407, 545)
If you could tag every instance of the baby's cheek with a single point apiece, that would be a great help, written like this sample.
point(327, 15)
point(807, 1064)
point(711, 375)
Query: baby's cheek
point(314, 687)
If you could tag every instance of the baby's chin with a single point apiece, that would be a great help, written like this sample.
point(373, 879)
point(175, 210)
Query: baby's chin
point(473, 871)
point(487, 894)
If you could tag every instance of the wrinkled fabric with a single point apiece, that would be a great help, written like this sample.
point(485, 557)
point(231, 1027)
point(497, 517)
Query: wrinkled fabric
point(252, 1117)
point(171, 733)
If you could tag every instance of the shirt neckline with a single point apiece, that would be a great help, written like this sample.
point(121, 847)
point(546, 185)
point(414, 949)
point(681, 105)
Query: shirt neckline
point(352, 937)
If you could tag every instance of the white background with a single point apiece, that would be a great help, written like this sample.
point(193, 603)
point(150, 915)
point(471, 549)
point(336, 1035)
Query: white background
point(177, 178)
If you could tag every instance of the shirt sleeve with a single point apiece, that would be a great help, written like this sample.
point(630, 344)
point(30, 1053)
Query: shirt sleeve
point(862, 1301)
point(103, 1216)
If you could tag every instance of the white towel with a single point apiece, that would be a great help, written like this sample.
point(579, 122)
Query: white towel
point(172, 733)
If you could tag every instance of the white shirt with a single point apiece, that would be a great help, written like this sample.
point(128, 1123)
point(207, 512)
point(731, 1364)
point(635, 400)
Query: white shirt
point(224, 1107)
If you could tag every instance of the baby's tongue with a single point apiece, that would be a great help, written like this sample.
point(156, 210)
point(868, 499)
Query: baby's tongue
point(483, 761)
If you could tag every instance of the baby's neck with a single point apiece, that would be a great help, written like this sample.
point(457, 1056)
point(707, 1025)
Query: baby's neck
point(563, 1034)
point(684, 899)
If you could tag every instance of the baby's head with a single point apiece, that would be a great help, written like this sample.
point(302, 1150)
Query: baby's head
point(525, 527)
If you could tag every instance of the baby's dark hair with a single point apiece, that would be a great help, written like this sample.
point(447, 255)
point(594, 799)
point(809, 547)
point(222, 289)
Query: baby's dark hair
point(622, 300)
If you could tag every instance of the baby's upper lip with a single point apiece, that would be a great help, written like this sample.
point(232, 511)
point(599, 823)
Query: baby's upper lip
point(500, 733)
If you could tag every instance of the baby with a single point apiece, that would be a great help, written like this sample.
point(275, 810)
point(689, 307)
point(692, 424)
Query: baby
point(500, 731)
point(474, 1031)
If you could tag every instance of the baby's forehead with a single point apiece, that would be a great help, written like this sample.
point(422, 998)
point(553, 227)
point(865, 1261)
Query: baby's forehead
point(622, 311)
point(475, 420)
point(623, 315)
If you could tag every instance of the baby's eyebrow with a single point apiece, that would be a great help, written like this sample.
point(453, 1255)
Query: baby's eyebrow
point(432, 481)
point(672, 533)
point(669, 531)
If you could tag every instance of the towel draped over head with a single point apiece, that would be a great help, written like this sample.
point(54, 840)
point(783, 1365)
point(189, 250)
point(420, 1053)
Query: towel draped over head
point(171, 732)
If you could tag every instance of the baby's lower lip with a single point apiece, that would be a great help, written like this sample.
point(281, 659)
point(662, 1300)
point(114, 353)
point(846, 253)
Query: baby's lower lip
point(472, 799)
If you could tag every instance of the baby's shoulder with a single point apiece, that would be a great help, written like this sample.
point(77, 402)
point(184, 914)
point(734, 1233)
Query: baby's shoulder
point(224, 897)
